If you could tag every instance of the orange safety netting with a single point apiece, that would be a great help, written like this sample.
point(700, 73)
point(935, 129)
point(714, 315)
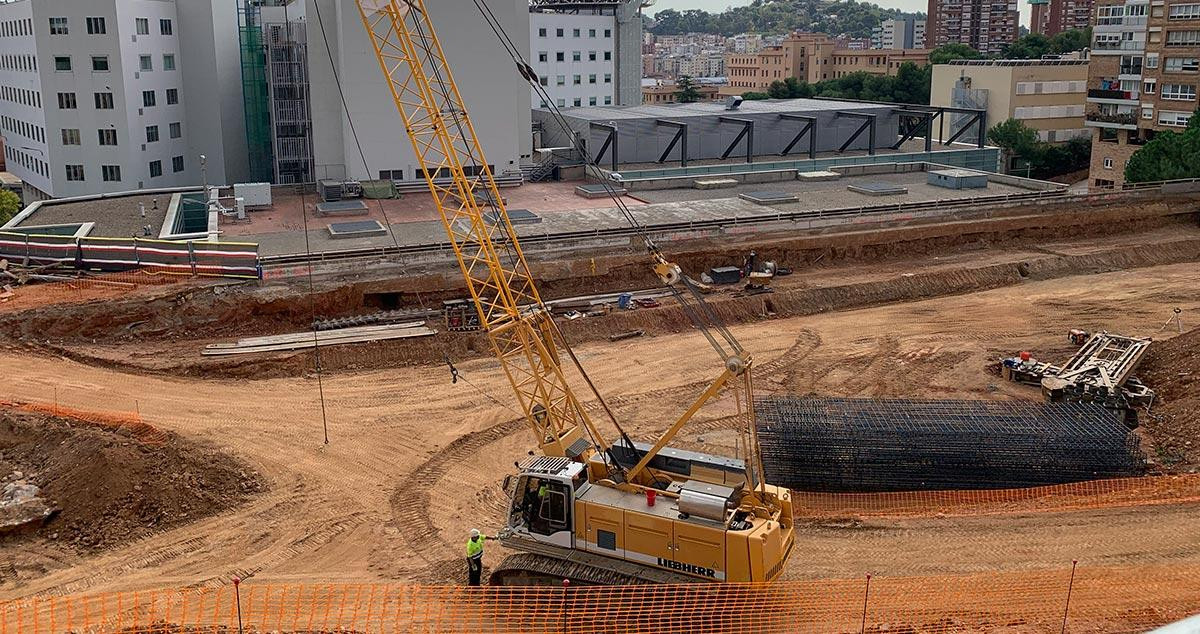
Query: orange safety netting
point(81, 289)
point(1143, 491)
point(130, 422)
point(1100, 600)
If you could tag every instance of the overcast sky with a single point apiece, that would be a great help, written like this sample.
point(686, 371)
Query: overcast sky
point(718, 5)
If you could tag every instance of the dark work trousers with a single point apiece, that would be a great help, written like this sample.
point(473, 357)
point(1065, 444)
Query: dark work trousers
point(474, 570)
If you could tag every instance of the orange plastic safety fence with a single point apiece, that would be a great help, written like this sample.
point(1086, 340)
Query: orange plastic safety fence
point(130, 422)
point(1061, 497)
point(1101, 600)
point(82, 289)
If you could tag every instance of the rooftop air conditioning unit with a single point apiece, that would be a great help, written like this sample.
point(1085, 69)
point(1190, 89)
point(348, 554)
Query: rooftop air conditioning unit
point(733, 103)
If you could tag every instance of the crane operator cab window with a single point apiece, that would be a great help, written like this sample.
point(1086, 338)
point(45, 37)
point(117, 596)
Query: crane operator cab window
point(544, 506)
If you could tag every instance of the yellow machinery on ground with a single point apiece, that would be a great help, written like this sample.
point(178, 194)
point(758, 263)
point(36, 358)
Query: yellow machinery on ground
point(586, 509)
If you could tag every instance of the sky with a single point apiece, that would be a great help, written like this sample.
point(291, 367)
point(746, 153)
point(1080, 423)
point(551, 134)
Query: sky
point(718, 5)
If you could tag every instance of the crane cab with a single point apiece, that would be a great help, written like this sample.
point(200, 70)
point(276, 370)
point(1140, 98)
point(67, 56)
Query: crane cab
point(542, 505)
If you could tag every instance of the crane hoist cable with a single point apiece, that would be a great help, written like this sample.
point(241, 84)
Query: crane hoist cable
point(710, 319)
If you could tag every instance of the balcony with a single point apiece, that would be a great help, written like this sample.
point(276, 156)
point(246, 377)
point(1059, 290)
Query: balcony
point(1118, 46)
point(1100, 93)
point(1120, 121)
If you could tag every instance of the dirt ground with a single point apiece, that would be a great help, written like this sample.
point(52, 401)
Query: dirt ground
point(412, 461)
point(109, 487)
point(1173, 368)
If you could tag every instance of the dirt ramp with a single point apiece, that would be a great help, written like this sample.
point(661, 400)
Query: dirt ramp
point(1173, 370)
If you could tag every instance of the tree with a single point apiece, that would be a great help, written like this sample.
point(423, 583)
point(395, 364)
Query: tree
point(1071, 40)
point(947, 53)
point(778, 90)
point(1168, 156)
point(688, 93)
point(1015, 139)
point(1032, 46)
point(755, 96)
point(10, 204)
point(912, 84)
point(841, 17)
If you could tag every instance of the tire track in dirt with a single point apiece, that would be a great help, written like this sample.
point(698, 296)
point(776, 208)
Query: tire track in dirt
point(413, 494)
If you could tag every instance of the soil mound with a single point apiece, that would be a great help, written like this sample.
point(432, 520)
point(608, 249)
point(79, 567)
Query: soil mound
point(1172, 369)
point(109, 488)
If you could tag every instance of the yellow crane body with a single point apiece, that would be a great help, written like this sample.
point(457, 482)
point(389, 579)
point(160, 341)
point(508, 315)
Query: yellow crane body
point(584, 509)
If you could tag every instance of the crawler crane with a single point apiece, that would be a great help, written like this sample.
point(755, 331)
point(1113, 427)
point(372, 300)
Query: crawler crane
point(584, 509)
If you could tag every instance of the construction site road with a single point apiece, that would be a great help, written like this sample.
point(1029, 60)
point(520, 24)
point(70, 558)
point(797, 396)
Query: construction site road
point(413, 461)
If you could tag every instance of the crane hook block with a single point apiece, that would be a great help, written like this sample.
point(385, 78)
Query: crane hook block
point(668, 272)
point(735, 364)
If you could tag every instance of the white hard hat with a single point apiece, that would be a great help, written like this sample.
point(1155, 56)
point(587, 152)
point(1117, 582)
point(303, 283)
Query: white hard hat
point(474, 533)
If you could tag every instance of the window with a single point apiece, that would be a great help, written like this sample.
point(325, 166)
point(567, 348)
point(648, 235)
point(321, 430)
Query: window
point(1184, 12)
point(104, 101)
point(62, 63)
point(1108, 163)
point(95, 26)
point(542, 32)
point(177, 164)
point(169, 62)
point(151, 134)
point(607, 100)
point(58, 26)
point(558, 32)
point(578, 102)
point(591, 32)
point(75, 172)
point(99, 63)
point(562, 103)
point(544, 80)
point(391, 175)
point(576, 56)
point(70, 136)
point(560, 56)
point(164, 27)
point(1148, 112)
point(148, 98)
point(543, 56)
point(176, 130)
point(574, 32)
point(577, 79)
point(66, 101)
point(1182, 65)
point(607, 32)
point(155, 169)
point(591, 79)
point(172, 96)
point(560, 80)
point(1148, 87)
point(143, 26)
point(111, 173)
point(591, 101)
point(1178, 92)
point(1173, 119)
point(1183, 38)
point(606, 539)
point(608, 78)
point(107, 137)
point(146, 63)
point(608, 56)
point(591, 56)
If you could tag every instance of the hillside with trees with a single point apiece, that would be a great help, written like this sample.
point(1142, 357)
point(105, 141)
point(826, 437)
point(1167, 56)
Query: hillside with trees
point(848, 17)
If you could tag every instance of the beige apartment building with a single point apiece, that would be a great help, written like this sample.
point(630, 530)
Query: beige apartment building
point(1047, 95)
point(1142, 81)
point(669, 93)
point(811, 57)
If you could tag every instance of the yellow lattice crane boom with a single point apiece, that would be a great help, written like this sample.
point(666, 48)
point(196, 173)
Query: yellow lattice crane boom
point(584, 509)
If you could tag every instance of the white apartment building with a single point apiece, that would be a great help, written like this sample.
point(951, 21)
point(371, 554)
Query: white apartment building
point(586, 54)
point(907, 33)
point(93, 97)
point(495, 94)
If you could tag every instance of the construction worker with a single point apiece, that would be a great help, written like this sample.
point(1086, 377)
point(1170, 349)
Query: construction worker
point(475, 556)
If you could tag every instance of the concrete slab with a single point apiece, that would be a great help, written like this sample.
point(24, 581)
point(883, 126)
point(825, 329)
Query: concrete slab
point(715, 183)
point(517, 217)
point(769, 198)
point(358, 229)
point(817, 176)
point(343, 208)
point(596, 190)
point(878, 189)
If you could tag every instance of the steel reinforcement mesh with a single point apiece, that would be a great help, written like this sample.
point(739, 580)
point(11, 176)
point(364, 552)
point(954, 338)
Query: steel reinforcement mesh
point(864, 445)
